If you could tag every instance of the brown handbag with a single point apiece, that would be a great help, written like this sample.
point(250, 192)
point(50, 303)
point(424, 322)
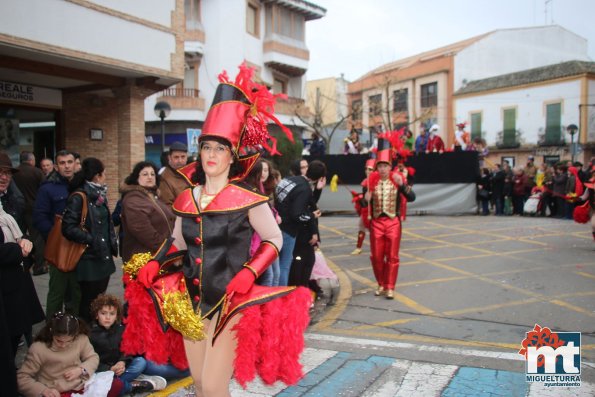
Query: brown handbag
point(64, 254)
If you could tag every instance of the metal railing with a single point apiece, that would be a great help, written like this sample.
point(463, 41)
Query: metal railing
point(180, 92)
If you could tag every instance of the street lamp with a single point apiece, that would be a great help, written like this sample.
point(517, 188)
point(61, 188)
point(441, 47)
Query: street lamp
point(162, 110)
point(572, 129)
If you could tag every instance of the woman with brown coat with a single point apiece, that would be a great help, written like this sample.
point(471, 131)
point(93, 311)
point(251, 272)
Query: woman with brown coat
point(146, 221)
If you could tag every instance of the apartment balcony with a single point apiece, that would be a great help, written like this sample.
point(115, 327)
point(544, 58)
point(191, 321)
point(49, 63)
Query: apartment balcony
point(551, 138)
point(183, 98)
point(292, 106)
point(286, 56)
point(510, 139)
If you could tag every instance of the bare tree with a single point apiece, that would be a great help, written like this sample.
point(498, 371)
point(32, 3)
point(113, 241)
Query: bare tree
point(315, 121)
point(387, 112)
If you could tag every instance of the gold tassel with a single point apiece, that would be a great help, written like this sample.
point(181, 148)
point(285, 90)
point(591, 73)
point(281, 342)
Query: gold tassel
point(135, 263)
point(177, 311)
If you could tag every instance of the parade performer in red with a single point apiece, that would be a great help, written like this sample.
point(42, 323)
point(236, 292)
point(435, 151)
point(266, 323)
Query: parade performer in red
point(248, 329)
point(361, 208)
point(386, 191)
point(435, 143)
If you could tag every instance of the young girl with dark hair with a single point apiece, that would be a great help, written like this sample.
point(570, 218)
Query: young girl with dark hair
point(96, 264)
point(60, 360)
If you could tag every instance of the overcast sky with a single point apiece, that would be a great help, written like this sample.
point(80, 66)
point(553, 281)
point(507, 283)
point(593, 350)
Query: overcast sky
point(356, 36)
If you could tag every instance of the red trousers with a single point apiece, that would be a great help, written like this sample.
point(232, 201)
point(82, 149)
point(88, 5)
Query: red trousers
point(385, 241)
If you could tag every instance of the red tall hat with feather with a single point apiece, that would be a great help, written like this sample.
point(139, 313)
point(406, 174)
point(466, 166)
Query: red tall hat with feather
point(240, 113)
point(391, 146)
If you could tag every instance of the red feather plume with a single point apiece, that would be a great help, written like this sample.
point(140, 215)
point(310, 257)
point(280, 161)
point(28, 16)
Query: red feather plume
point(261, 112)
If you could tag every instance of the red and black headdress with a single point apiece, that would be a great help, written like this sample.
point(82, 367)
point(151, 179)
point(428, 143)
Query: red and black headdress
point(391, 146)
point(240, 113)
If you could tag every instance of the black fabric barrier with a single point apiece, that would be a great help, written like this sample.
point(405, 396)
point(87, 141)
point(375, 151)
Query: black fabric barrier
point(449, 167)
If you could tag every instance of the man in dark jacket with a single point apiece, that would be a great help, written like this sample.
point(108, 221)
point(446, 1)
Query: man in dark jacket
point(173, 183)
point(51, 200)
point(298, 213)
point(498, 189)
point(28, 180)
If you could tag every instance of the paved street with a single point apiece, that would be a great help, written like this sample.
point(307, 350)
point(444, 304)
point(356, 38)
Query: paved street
point(468, 289)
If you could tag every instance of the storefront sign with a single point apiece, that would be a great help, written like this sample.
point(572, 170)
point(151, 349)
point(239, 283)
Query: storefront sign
point(29, 94)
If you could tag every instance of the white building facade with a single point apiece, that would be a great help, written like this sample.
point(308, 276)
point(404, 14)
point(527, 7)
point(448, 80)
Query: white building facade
point(528, 113)
point(268, 35)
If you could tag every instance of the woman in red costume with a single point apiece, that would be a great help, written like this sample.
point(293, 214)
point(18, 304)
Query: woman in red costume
point(361, 207)
point(248, 328)
point(387, 190)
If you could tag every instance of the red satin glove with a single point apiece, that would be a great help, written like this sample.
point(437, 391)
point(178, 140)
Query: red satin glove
point(147, 273)
point(241, 282)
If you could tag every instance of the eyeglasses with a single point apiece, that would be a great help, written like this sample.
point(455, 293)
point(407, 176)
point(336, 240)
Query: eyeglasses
point(217, 149)
point(5, 173)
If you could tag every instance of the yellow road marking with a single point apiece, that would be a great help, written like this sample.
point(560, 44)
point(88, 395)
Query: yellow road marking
point(456, 258)
point(573, 307)
point(398, 296)
point(491, 307)
point(344, 297)
point(173, 387)
point(588, 275)
point(385, 324)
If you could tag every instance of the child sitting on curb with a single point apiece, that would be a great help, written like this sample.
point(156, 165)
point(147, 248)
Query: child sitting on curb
point(106, 336)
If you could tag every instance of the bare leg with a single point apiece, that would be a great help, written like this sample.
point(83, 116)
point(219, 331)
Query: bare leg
point(212, 365)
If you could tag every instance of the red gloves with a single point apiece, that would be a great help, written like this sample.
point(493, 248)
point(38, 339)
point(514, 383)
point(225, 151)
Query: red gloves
point(147, 273)
point(241, 282)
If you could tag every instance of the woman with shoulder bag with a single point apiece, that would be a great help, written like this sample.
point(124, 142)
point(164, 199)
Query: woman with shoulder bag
point(97, 262)
point(146, 221)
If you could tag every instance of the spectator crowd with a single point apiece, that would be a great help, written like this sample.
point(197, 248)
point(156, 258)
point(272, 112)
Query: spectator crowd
point(545, 189)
